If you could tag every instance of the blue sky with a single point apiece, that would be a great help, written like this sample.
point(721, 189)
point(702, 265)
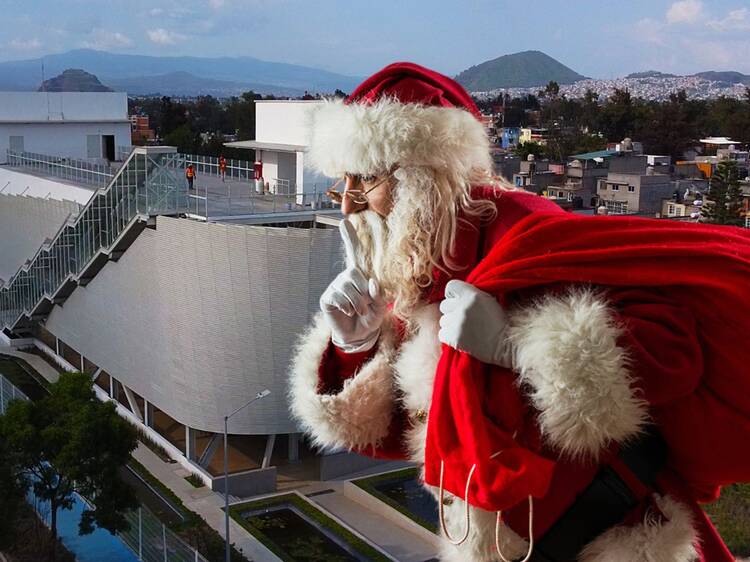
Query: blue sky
point(599, 38)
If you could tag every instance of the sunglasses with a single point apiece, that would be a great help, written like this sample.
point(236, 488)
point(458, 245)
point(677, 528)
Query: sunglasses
point(357, 196)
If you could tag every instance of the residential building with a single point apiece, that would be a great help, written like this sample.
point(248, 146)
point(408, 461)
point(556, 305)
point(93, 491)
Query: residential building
point(533, 134)
point(632, 186)
point(83, 125)
point(537, 176)
point(510, 136)
point(140, 130)
point(581, 176)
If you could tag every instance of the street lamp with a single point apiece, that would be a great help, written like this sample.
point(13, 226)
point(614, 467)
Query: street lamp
point(261, 394)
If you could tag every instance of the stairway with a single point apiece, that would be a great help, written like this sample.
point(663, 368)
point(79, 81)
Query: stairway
point(147, 185)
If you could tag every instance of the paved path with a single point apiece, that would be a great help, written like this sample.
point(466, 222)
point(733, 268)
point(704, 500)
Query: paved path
point(396, 541)
point(36, 362)
point(202, 501)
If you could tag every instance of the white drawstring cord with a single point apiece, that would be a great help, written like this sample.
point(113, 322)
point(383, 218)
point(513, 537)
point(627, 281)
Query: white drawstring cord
point(466, 503)
point(531, 533)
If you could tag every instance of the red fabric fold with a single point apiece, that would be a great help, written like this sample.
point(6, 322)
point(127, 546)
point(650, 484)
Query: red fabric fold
point(707, 266)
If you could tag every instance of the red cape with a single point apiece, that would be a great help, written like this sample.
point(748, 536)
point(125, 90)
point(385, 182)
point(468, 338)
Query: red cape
point(707, 267)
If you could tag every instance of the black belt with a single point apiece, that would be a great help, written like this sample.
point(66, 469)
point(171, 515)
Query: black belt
point(603, 504)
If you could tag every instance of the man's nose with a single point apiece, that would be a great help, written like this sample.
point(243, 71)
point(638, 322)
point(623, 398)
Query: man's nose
point(348, 206)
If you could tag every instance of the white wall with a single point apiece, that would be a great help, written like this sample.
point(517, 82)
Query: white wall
point(60, 139)
point(16, 183)
point(59, 106)
point(198, 317)
point(282, 121)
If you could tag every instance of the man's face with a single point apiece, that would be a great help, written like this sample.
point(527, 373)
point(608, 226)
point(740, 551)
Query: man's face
point(374, 193)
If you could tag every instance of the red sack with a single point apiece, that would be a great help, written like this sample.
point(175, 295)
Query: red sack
point(707, 432)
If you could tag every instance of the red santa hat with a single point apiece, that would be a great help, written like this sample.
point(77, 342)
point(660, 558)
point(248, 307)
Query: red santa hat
point(403, 115)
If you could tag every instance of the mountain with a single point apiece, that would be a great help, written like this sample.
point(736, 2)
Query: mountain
point(519, 70)
point(651, 74)
point(730, 77)
point(187, 84)
point(73, 80)
point(109, 67)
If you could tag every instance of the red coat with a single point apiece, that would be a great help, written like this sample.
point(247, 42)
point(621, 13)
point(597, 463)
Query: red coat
point(658, 333)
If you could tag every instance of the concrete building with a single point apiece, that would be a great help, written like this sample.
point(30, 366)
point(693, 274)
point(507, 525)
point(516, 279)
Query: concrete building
point(84, 125)
point(280, 145)
point(532, 134)
point(181, 321)
point(632, 186)
point(581, 176)
point(537, 176)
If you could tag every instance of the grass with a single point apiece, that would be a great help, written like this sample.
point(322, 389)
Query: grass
point(157, 449)
point(368, 485)
point(194, 530)
point(311, 511)
point(731, 516)
point(194, 481)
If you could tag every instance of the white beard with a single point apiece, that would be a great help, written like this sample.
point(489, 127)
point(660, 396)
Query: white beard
point(382, 255)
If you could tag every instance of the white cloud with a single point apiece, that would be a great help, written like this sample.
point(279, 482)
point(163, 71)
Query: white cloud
point(102, 39)
point(735, 20)
point(685, 11)
point(156, 12)
point(216, 4)
point(162, 36)
point(25, 44)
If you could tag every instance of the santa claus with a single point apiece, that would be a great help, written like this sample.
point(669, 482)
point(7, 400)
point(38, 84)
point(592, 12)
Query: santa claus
point(536, 394)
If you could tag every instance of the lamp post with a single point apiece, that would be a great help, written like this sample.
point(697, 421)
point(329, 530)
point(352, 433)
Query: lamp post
point(261, 394)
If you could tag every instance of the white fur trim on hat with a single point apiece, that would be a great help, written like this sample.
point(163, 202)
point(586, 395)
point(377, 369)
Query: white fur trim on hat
point(357, 416)
point(565, 348)
point(373, 139)
point(672, 540)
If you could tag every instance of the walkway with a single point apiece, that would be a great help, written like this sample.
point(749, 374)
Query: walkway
point(37, 363)
point(202, 501)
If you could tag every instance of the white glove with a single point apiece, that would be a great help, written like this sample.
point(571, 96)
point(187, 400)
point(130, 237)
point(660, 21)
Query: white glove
point(473, 321)
point(352, 305)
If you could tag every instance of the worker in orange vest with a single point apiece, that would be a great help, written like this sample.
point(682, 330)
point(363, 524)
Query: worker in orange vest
point(190, 175)
point(222, 167)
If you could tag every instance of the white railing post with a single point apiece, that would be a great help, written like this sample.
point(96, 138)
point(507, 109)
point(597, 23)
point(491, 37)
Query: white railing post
point(164, 540)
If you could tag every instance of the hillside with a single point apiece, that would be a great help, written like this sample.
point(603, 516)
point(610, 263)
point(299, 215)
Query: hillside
point(187, 84)
point(520, 70)
point(25, 75)
point(73, 80)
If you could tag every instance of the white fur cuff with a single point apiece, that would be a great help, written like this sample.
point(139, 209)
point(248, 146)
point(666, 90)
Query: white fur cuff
point(565, 349)
point(672, 540)
point(360, 414)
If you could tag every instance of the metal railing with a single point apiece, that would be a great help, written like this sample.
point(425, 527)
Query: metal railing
point(71, 169)
point(8, 392)
point(152, 541)
point(144, 186)
point(210, 204)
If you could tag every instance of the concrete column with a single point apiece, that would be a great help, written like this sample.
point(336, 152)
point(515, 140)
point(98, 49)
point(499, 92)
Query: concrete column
point(190, 444)
point(293, 447)
point(111, 386)
point(269, 451)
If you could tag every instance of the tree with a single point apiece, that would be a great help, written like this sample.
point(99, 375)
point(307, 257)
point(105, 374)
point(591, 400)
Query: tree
point(724, 199)
point(12, 488)
point(70, 442)
point(523, 150)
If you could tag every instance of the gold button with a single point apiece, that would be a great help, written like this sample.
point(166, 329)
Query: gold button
point(421, 416)
point(447, 501)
